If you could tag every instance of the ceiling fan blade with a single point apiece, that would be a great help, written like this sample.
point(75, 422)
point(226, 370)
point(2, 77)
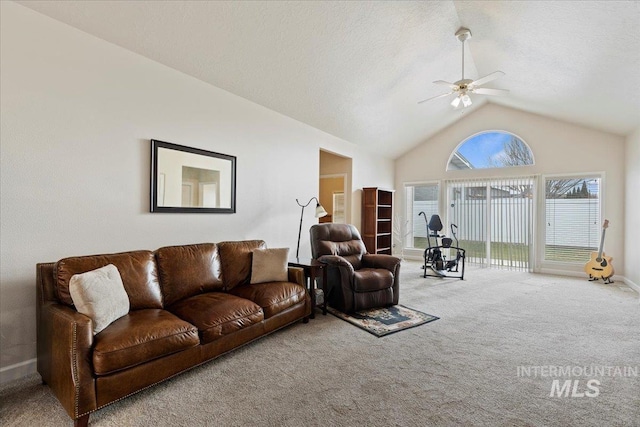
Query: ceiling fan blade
point(487, 91)
point(487, 78)
point(442, 82)
point(435, 97)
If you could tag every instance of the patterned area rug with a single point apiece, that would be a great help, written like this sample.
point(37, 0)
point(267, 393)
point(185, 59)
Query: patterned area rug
point(385, 321)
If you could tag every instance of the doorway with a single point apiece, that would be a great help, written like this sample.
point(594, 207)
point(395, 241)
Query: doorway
point(332, 197)
point(334, 190)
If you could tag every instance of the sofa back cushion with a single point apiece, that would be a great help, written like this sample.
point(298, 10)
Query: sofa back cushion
point(137, 269)
point(236, 261)
point(188, 270)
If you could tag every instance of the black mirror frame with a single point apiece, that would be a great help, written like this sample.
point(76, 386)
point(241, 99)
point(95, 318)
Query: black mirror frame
point(155, 145)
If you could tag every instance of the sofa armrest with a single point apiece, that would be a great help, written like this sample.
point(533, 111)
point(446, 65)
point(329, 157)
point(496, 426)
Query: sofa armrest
point(67, 342)
point(387, 262)
point(340, 274)
point(296, 275)
point(337, 261)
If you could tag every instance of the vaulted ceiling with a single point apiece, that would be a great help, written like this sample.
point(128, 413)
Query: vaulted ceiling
point(356, 69)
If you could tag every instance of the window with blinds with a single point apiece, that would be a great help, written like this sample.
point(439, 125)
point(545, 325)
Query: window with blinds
point(494, 219)
point(419, 198)
point(572, 218)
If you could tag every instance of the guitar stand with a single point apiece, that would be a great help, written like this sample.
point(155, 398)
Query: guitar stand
point(605, 280)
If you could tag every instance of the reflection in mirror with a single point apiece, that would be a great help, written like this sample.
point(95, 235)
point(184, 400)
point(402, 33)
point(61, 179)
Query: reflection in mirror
point(490, 149)
point(200, 187)
point(186, 179)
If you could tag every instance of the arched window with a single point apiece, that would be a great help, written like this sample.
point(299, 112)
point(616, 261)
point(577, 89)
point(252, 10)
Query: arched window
point(490, 149)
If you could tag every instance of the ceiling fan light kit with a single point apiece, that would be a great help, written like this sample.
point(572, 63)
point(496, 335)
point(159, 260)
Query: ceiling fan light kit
point(463, 87)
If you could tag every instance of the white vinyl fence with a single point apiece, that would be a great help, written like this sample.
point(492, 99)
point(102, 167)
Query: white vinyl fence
point(469, 216)
point(565, 220)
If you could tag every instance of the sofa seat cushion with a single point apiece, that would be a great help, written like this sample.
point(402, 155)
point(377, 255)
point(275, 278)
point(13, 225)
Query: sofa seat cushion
point(216, 314)
point(372, 279)
point(139, 337)
point(273, 297)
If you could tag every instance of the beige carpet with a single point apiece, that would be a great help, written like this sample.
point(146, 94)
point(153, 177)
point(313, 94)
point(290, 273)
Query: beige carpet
point(459, 370)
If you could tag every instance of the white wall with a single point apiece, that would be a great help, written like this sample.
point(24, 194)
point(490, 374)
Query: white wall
point(632, 210)
point(558, 147)
point(77, 118)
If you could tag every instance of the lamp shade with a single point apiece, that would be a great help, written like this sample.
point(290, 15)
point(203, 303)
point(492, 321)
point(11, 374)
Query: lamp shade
point(320, 212)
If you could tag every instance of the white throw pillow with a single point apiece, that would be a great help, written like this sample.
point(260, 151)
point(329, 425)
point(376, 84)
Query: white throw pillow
point(100, 295)
point(270, 265)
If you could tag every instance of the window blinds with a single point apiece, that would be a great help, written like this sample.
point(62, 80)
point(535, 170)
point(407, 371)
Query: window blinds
point(572, 218)
point(494, 219)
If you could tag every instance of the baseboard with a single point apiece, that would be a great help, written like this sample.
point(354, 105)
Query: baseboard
point(557, 272)
point(632, 285)
point(17, 370)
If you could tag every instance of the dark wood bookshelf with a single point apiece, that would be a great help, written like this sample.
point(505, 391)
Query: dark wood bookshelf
point(377, 220)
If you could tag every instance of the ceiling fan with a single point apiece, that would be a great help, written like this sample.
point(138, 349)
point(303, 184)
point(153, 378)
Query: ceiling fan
point(463, 87)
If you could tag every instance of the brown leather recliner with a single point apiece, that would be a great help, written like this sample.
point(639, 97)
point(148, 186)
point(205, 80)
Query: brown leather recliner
point(356, 280)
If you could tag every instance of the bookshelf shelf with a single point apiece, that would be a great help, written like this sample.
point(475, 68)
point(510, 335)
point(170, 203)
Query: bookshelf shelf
point(377, 215)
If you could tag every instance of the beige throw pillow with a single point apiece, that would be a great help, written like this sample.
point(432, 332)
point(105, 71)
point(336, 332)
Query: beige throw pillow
point(270, 265)
point(100, 295)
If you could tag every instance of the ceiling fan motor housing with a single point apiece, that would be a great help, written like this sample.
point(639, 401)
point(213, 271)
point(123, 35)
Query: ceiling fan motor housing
point(464, 85)
point(463, 34)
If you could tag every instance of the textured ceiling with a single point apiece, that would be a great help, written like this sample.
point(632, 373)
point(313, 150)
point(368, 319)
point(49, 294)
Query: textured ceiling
point(356, 69)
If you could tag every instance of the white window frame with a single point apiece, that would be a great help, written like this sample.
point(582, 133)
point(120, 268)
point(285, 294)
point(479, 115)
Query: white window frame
point(550, 266)
point(410, 251)
point(464, 141)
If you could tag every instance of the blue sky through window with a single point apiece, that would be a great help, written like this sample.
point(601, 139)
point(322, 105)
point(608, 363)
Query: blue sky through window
point(485, 149)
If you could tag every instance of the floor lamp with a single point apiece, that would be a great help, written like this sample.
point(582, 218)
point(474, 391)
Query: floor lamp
point(320, 212)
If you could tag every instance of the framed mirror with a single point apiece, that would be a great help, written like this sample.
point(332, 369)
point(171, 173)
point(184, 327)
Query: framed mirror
point(191, 180)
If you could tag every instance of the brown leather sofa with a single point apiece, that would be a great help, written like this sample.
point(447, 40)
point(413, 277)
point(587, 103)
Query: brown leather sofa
point(188, 304)
point(356, 279)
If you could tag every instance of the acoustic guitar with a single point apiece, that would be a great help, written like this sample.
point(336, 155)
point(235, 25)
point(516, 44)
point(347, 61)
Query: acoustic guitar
point(599, 266)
